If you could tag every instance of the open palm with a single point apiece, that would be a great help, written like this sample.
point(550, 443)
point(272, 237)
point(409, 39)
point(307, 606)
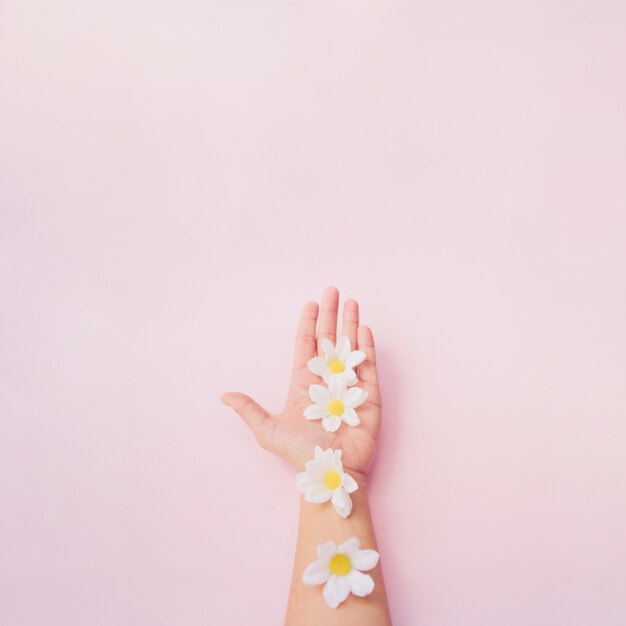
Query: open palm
point(288, 434)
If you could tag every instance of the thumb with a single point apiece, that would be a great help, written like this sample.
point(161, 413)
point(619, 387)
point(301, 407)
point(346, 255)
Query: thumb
point(252, 413)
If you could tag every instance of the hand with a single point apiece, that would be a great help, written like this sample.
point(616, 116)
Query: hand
point(289, 434)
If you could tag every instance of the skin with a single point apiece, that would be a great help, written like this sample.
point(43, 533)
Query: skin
point(293, 438)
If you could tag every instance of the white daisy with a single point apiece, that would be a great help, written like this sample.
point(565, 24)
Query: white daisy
point(324, 480)
point(335, 404)
point(339, 361)
point(341, 570)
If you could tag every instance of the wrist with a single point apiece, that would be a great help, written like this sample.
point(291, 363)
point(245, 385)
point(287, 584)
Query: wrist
point(359, 477)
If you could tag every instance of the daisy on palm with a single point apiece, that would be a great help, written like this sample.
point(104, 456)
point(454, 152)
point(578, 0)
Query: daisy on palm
point(324, 480)
point(341, 568)
point(338, 361)
point(335, 404)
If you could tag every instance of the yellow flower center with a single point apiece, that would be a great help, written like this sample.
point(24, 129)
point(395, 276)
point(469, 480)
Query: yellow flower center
point(340, 564)
point(336, 407)
point(336, 366)
point(332, 479)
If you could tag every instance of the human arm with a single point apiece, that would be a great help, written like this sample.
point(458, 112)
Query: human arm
point(294, 438)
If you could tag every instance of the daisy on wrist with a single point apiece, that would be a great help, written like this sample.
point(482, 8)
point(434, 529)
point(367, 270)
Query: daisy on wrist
point(324, 480)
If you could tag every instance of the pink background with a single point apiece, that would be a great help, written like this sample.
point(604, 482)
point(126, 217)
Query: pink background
point(177, 179)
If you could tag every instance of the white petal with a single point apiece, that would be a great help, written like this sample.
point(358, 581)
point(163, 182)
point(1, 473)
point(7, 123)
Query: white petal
point(331, 423)
point(324, 466)
point(318, 494)
point(342, 502)
point(349, 376)
point(349, 484)
point(336, 462)
point(326, 550)
point(349, 546)
point(315, 412)
point(350, 417)
point(338, 588)
point(329, 458)
point(316, 573)
point(360, 584)
point(355, 358)
point(329, 350)
point(337, 388)
point(355, 397)
point(364, 559)
point(332, 602)
point(303, 482)
point(318, 455)
point(317, 365)
point(343, 348)
point(319, 394)
point(313, 467)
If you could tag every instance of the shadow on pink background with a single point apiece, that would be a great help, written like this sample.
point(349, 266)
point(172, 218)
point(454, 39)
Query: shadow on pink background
point(176, 180)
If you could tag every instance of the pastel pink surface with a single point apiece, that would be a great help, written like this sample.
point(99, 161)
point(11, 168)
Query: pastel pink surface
point(178, 179)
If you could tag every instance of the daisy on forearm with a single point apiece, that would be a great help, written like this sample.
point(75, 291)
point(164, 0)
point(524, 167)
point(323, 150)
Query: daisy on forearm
point(341, 568)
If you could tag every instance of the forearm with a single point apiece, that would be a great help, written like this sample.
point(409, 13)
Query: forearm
point(320, 523)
